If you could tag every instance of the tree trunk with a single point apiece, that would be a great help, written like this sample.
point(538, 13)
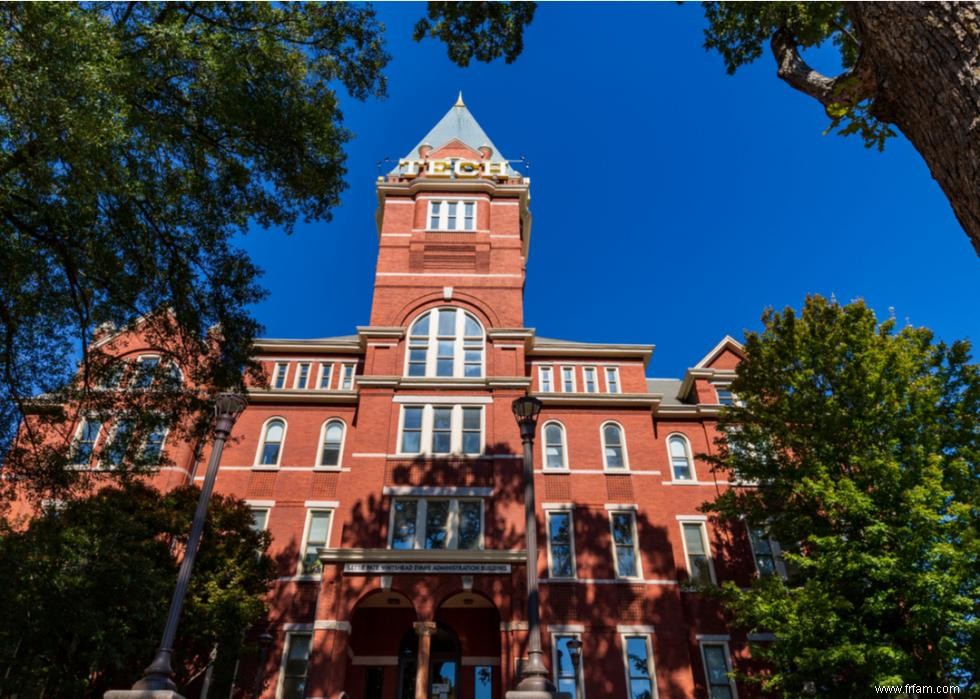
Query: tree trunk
point(925, 62)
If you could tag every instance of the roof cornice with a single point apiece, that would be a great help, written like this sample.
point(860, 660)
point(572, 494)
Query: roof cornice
point(596, 400)
point(301, 395)
point(326, 345)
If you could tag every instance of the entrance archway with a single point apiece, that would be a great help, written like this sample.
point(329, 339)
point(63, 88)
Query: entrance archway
point(477, 622)
point(444, 664)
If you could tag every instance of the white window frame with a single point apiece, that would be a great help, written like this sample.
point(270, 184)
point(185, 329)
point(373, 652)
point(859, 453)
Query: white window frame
point(444, 215)
point(459, 344)
point(163, 442)
point(690, 458)
point(326, 371)
point(636, 545)
point(103, 460)
point(706, 542)
point(602, 443)
point(719, 387)
point(614, 372)
point(579, 671)
point(544, 448)
point(299, 374)
point(306, 537)
point(651, 662)
point(456, 429)
point(775, 550)
point(586, 372)
point(257, 464)
point(571, 541)
point(95, 443)
point(137, 372)
point(421, 508)
point(546, 379)
point(568, 371)
point(320, 466)
point(275, 375)
point(286, 646)
point(728, 664)
point(343, 380)
point(261, 508)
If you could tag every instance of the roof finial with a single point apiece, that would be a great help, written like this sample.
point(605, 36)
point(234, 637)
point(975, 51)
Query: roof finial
point(459, 100)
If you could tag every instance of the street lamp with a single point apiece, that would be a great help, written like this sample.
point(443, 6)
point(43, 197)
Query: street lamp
point(158, 677)
point(535, 683)
point(574, 647)
point(265, 643)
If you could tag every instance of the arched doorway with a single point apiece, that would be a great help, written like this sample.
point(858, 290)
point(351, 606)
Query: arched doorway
point(444, 664)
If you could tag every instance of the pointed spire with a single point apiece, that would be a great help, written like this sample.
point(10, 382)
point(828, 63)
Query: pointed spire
point(459, 100)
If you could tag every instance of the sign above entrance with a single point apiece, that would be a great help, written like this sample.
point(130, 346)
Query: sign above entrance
point(427, 568)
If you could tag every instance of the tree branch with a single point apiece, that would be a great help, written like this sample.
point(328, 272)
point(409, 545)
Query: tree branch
point(847, 89)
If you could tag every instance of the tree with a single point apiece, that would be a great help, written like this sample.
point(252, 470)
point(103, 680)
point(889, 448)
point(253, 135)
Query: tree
point(87, 589)
point(136, 139)
point(913, 66)
point(864, 443)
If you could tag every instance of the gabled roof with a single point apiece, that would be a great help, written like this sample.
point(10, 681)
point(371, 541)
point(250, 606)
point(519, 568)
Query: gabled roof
point(460, 125)
point(728, 342)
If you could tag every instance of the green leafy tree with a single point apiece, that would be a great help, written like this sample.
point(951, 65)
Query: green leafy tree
point(864, 441)
point(136, 140)
point(87, 587)
point(914, 67)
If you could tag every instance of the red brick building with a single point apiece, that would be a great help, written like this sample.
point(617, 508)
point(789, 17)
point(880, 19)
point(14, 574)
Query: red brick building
point(386, 465)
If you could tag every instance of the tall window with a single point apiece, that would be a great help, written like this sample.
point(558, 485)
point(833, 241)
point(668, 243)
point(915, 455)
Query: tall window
point(153, 445)
point(613, 446)
point(445, 342)
point(303, 375)
point(295, 665)
point(698, 558)
point(346, 377)
point(639, 667)
point(442, 429)
point(115, 451)
point(279, 375)
point(624, 543)
point(270, 448)
point(560, 546)
point(317, 529)
point(83, 447)
point(765, 551)
point(260, 519)
point(591, 385)
point(452, 215)
point(565, 676)
point(612, 379)
point(716, 668)
point(333, 442)
point(554, 445)
point(680, 458)
point(568, 379)
point(725, 395)
point(326, 370)
point(146, 368)
point(546, 379)
point(436, 523)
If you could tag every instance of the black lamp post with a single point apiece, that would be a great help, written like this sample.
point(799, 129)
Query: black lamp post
point(265, 643)
point(575, 652)
point(535, 683)
point(158, 677)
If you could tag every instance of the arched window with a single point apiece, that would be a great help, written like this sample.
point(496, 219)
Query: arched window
point(681, 464)
point(270, 448)
point(445, 342)
point(332, 443)
point(554, 446)
point(613, 446)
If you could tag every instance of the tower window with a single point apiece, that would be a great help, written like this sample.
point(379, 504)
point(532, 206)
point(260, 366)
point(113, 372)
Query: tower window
point(452, 215)
point(445, 342)
point(613, 446)
point(681, 465)
point(441, 429)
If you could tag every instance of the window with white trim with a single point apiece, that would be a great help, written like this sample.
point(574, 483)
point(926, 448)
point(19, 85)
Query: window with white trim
point(561, 546)
point(441, 429)
point(612, 379)
point(145, 371)
point(699, 567)
point(346, 377)
point(546, 379)
point(591, 382)
point(152, 449)
point(567, 679)
point(114, 453)
point(725, 395)
point(270, 446)
point(315, 538)
point(449, 215)
point(326, 373)
point(83, 447)
point(445, 342)
point(554, 453)
point(717, 670)
point(568, 379)
point(625, 551)
point(681, 463)
point(331, 443)
point(436, 523)
point(613, 446)
point(279, 375)
point(113, 376)
point(765, 553)
point(303, 375)
point(640, 674)
point(295, 665)
point(260, 519)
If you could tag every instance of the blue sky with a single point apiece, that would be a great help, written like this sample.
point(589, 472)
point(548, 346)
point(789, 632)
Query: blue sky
point(672, 203)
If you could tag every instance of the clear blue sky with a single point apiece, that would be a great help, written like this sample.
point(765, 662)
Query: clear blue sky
point(672, 203)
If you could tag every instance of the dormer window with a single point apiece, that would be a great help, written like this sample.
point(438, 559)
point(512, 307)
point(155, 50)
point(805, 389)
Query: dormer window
point(445, 342)
point(448, 215)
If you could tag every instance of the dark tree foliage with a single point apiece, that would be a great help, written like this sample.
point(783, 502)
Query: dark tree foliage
point(136, 140)
point(481, 30)
point(864, 443)
point(87, 587)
